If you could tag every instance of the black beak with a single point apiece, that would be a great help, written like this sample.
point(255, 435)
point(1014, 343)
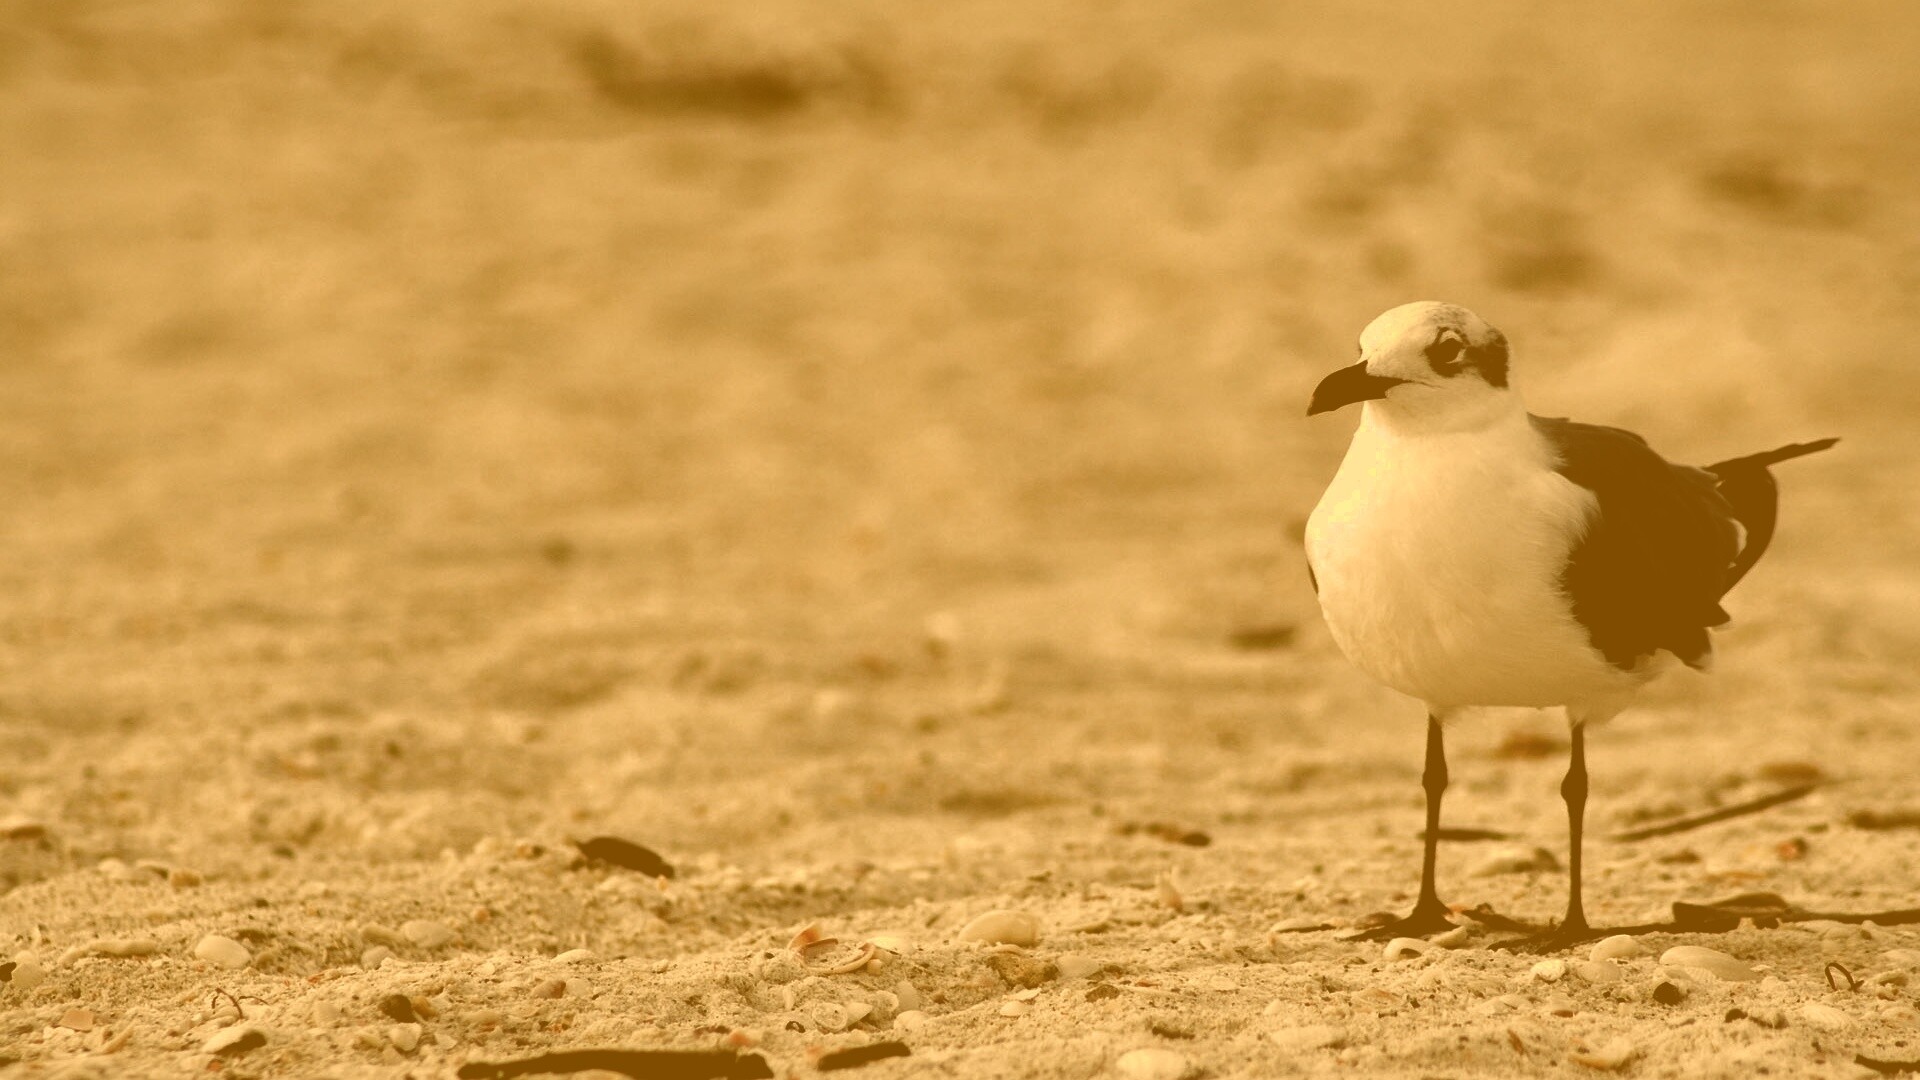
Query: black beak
point(1348, 385)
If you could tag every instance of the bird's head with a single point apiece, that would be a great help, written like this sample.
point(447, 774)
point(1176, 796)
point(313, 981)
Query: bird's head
point(1426, 362)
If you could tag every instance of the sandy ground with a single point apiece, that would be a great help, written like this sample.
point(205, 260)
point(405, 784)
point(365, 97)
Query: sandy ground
point(855, 450)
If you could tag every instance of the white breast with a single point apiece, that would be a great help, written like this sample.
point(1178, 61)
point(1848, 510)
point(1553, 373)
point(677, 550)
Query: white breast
point(1438, 558)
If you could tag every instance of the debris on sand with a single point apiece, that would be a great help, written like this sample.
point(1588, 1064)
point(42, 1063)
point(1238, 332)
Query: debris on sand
point(625, 854)
point(640, 1064)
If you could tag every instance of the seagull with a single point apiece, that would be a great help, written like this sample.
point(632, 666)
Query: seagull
point(1468, 553)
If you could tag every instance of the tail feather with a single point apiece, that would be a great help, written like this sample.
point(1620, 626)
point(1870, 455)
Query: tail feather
point(1755, 497)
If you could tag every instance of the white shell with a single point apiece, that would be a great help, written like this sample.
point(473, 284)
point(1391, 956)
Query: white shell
point(1003, 927)
point(1712, 961)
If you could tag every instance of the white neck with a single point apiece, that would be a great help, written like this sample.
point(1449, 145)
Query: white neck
point(1420, 410)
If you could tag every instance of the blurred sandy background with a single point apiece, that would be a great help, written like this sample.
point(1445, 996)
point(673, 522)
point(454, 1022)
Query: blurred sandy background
point(862, 444)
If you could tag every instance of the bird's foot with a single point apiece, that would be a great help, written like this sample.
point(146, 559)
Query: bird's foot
point(1556, 939)
point(1426, 918)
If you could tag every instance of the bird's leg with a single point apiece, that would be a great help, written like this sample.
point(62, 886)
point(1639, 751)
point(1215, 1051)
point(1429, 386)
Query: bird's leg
point(1429, 915)
point(1574, 790)
point(1573, 929)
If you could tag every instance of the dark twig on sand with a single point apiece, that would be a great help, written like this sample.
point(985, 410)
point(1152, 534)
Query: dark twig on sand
point(644, 1064)
point(1725, 813)
point(1887, 1068)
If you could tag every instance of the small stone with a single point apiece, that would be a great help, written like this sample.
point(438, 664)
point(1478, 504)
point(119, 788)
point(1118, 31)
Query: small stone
point(1767, 1016)
point(1599, 972)
point(1002, 927)
point(234, 1041)
point(27, 972)
point(1014, 1008)
point(118, 947)
point(908, 994)
point(829, 1016)
point(1309, 1037)
point(1711, 961)
point(550, 988)
point(1549, 971)
point(1152, 1063)
point(1018, 969)
point(579, 988)
point(1453, 939)
point(1560, 1005)
point(1825, 1016)
point(911, 1020)
point(404, 1037)
point(18, 827)
point(1406, 948)
point(1515, 860)
point(1617, 947)
point(374, 956)
point(1077, 965)
point(1904, 958)
point(574, 956)
point(1614, 1055)
point(222, 951)
point(399, 1007)
point(1667, 993)
point(427, 933)
point(76, 1019)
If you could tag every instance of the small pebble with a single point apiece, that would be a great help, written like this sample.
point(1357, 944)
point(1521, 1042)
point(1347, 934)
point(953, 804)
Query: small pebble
point(829, 1016)
point(579, 988)
point(1309, 1037)
point(18, 827)
point(235, 1040)
point(550, 988)
point(398, 1007)
point(1452, 939)
point(1152, 1063)
point(427, 933)
point(1667, 993)
point(222, 951)
point(118, 947)
point(1905, 958)
point(1599, 972)
point(1617, 947)
point(1560, 1005)
point(1014, 1008)
point(573, 956)
point(1077, 965)
point(1548, 971)
point(1021, 970)
point(1002, 927)
point(1821, 1015)
point(1614, 1055)
point(27, 972)
point(1516, 860)
point(374, 956)
point(1407, 948)
point(908, 994)
point(76, 1019)
point(911, 1020)
point(404, 1037)
point(1712, 961)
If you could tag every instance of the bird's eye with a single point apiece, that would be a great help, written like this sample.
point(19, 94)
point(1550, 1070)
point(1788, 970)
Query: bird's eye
point(1444, 354)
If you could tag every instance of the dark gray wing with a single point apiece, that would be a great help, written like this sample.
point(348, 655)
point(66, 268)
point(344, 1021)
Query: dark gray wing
point(1659, 552)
